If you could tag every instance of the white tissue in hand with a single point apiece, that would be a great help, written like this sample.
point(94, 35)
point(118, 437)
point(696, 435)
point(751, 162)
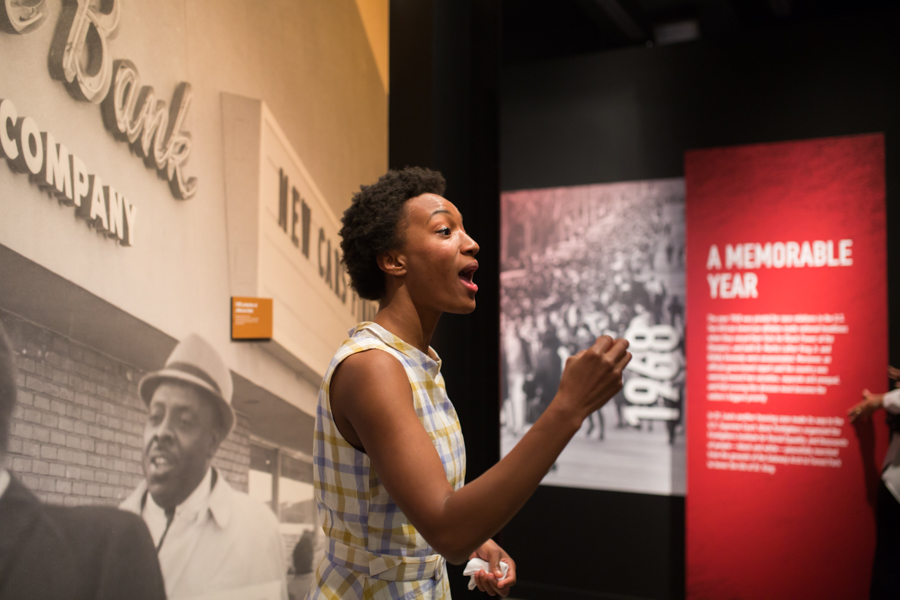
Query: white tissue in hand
point(476, 564)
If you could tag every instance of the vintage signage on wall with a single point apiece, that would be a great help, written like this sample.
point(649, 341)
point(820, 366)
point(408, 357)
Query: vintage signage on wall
point(283, 238)
point(293, 210)
point(80, 57)
point(29, 150)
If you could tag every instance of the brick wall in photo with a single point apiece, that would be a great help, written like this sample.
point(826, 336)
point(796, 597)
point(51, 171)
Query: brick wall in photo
point(76, 432)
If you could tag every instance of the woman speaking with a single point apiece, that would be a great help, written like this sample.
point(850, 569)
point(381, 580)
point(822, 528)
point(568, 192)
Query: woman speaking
point(389, 457)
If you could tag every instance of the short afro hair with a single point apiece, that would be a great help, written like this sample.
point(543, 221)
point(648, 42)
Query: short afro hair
point(372, 224)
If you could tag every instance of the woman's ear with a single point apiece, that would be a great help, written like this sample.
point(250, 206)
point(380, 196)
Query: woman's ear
point(392, 262)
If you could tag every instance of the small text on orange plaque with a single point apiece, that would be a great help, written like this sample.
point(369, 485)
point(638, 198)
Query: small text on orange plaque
point(251, 318)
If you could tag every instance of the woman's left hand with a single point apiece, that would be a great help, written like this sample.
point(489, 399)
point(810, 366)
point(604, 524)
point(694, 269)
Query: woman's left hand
point(494, 583)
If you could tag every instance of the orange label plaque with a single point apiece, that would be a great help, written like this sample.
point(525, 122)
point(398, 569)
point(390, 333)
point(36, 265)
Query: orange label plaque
point(251, 318)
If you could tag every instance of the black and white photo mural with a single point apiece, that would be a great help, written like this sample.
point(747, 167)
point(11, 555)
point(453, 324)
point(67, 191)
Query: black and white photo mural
point(578, 263)
point(143, 187)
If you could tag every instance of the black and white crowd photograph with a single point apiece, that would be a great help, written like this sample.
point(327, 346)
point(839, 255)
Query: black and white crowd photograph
point(579, 263)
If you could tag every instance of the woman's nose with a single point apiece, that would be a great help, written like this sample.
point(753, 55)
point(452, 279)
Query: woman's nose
point(471, 247)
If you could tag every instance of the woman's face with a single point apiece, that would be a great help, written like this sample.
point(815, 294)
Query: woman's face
point(438, 256)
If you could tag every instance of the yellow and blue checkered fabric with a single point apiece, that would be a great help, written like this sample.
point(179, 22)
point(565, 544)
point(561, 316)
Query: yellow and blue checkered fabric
point(373, 552)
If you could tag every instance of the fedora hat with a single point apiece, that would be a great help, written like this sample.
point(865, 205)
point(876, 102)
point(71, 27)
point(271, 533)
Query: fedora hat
point(196, 362)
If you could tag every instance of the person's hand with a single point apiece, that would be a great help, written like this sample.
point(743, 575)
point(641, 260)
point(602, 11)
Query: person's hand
point(894, 373)
point(870, 403)
point(593, 376)
point(494, 583)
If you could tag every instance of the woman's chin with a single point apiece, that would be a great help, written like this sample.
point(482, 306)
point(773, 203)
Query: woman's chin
point(465, 309)
point(460, 308)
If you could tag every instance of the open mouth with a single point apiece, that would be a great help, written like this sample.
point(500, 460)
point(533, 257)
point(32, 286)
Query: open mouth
point(161, 463)
point(466, 276)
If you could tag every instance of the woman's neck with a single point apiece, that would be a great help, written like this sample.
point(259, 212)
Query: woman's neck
point(399, 315)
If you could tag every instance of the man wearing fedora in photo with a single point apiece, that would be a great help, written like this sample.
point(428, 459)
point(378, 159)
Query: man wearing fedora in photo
point(212, 541)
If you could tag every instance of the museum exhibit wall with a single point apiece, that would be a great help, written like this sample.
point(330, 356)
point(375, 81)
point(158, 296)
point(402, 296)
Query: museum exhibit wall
point(284, 109)
point(630, 116)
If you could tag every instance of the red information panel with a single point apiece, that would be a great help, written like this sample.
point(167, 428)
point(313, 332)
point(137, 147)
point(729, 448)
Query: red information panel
point(787, 313)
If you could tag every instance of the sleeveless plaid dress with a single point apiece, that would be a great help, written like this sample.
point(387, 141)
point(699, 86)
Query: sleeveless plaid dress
point(372, 551)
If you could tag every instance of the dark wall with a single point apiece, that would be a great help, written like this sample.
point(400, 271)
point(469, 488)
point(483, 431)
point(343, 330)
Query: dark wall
point(630, 115)
point(445, 64)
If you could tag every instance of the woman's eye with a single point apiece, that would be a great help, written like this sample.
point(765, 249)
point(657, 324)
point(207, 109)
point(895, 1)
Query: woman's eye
point(444, 231)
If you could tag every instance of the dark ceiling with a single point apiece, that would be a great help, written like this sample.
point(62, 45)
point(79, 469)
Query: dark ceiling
point(544, 29)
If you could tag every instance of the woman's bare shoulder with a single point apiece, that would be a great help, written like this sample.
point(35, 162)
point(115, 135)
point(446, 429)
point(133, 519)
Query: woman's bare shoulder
point(368, 379)
point(370, 367)
point(366, 390)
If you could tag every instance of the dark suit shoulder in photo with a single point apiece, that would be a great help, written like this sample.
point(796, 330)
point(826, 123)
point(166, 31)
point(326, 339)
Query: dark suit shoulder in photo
point(93, 553)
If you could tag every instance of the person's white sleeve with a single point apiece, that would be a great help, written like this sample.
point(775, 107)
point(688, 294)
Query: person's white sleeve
point(892, 401)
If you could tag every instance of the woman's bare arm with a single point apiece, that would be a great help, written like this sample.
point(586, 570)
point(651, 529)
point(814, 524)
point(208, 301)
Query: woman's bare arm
point(373, 408)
